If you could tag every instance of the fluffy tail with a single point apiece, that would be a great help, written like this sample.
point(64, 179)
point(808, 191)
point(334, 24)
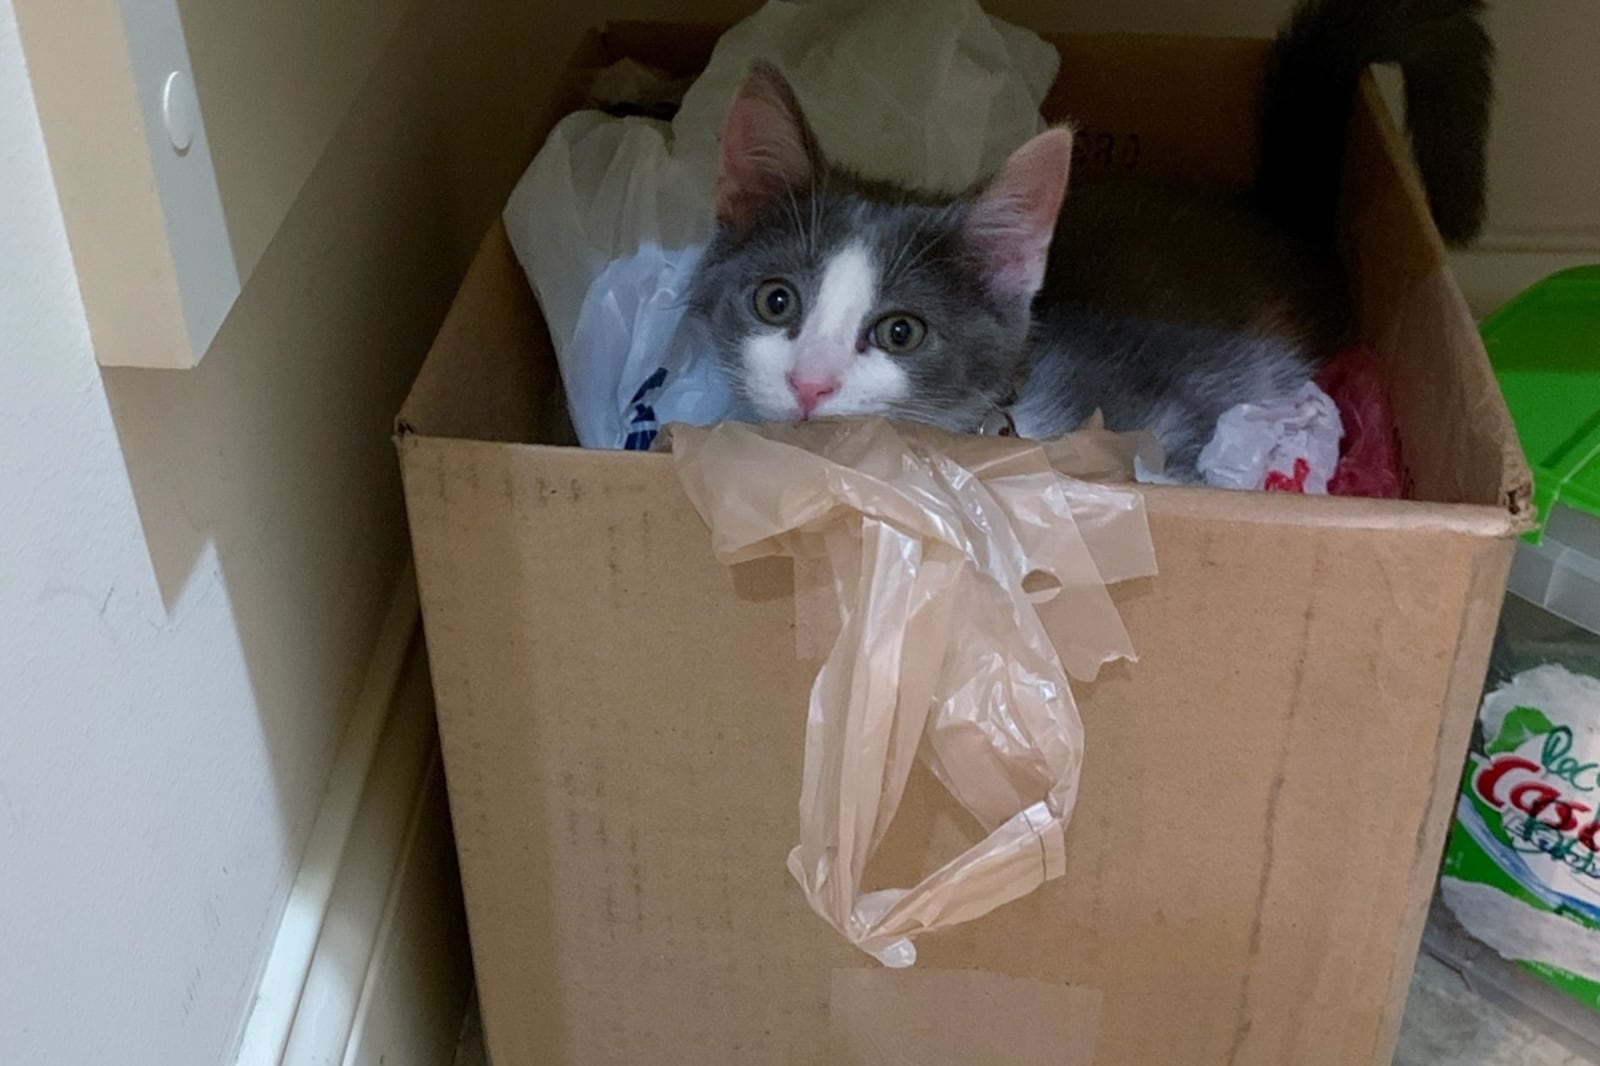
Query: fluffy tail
point(1447, 59)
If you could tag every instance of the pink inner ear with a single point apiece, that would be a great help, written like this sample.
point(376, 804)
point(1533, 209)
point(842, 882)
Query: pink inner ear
point(766, 148)
point(1011, 223)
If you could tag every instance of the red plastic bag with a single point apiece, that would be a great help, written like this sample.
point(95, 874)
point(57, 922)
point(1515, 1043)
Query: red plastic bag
point(1369, 454)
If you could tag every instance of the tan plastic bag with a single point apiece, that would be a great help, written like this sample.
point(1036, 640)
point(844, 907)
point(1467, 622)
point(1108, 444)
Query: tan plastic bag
point(940, 547)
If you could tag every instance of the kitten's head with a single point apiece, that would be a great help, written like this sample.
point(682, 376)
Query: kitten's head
point(826, 294)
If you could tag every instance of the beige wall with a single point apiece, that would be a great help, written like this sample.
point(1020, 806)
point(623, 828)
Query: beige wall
point(1544, 161)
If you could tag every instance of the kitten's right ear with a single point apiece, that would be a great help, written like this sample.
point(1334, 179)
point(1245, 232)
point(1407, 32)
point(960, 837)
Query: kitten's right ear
point(767, 147)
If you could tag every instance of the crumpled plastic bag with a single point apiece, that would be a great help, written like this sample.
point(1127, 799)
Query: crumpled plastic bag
point(1284, 445)
point(628, 325)
point(1369, 454)
point(940, 548)
point(610, 218)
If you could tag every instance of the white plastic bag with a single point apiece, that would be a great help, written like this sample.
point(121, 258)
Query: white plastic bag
point(930, 93)
point(1290, 444)
point(627, 328)
point(609, 219)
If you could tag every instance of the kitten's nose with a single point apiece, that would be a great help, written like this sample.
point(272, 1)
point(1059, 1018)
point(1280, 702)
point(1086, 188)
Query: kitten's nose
point(811, 393)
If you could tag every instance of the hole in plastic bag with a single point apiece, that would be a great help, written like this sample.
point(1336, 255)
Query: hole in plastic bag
point(1041, 586)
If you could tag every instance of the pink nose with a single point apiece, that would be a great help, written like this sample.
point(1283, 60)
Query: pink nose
point(811, 393)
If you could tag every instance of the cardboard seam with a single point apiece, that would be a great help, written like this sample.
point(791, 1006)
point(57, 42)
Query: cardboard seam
point(1270, 820)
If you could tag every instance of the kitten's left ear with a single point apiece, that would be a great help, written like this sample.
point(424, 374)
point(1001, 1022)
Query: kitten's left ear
point(767, 147)
point(1010, 224)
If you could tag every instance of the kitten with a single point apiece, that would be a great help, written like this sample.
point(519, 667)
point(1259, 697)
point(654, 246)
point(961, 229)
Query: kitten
point(1160, 303)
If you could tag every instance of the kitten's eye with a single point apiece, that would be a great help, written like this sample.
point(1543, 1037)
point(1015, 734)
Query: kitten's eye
point(777, 303)
point(899, 334)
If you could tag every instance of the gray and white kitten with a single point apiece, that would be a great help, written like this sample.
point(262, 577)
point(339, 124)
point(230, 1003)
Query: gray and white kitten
point(1160, 303)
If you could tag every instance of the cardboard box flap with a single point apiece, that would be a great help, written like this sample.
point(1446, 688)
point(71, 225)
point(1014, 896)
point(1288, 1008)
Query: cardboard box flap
point(624, 783)
point(491, 374)
point(679, 48)
point(1456, 433)
point(1149, 116)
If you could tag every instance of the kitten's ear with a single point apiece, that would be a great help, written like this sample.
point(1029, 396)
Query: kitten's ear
point(1010, 225)
point(767, 147)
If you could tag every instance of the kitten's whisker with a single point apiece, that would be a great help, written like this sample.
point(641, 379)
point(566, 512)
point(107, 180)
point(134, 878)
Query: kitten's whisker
point(893, 272)
point(902, 265)
point(816, 212)
point(920, 254)
point(794, 211)
point(809, 234)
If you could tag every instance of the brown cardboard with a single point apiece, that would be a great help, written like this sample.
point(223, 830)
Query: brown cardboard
point(1264, 793)
point(956, 1018)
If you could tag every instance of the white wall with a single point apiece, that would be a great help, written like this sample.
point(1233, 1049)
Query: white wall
point(142, 830)
point(193, 564)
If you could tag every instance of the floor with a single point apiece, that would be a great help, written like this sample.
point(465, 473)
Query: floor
point(1445, 1025)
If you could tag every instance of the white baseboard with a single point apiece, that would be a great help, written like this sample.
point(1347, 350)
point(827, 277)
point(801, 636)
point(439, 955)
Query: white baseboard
point(419, 978)
point(370, 963)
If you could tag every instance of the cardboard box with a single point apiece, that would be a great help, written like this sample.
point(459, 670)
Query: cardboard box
point(1265, 793)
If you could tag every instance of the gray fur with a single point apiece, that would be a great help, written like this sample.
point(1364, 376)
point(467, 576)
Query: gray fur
point(1165, 306)
point(1126, 368)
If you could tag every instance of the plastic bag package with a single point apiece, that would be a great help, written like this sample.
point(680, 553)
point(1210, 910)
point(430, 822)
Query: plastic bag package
point(940, 548)
point(611, 217)
point(1285, 445)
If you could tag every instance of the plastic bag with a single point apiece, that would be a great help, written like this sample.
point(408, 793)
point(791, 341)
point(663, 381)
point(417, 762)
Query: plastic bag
point(1369, 455)
point(930, 93)
point(628, 326)
point(1286, 445)
point(609, 219)
point(600, 226)
point(934, 542)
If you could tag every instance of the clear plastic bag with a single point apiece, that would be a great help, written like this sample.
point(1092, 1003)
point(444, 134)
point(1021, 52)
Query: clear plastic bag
point(940, 549)
point(1369, 452)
